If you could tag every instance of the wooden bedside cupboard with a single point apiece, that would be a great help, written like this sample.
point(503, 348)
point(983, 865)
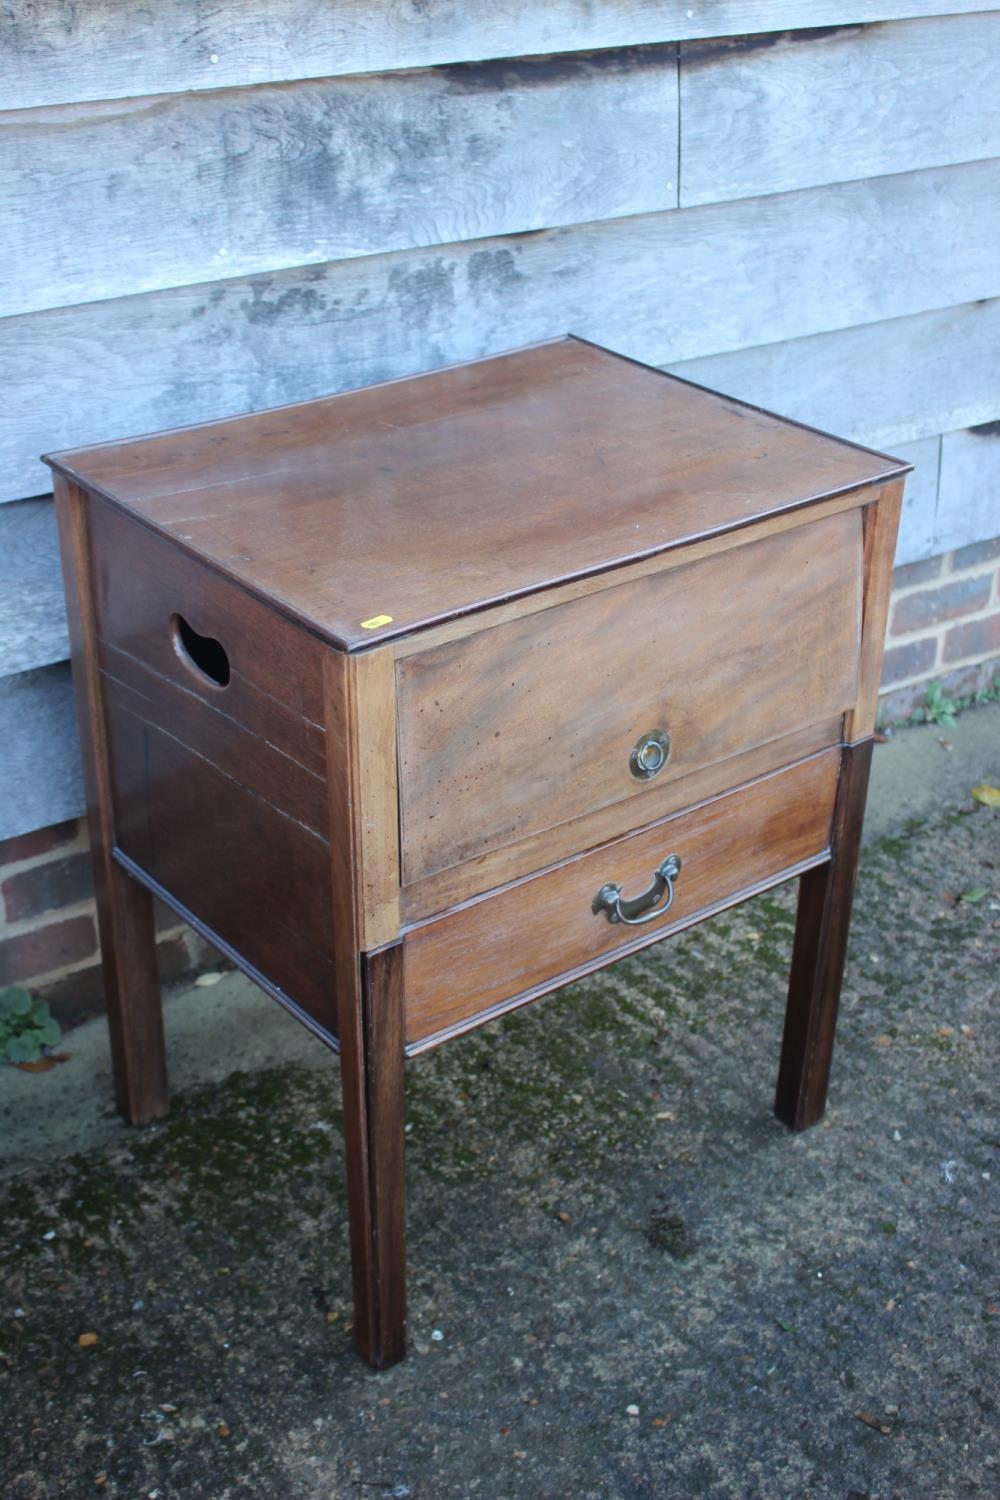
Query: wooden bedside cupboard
point(422, 700)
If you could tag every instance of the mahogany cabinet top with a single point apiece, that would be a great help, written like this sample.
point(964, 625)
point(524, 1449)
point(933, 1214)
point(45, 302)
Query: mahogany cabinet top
point(434, 496)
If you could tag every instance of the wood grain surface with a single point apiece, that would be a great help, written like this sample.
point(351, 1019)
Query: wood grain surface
point(772, 114)
point(879, 383)
point(360, 712)
point(242, 755)
point(380, 1288)
point(485, 872)
point(660, 563)
point(530, 937)
point(248, 871)
point(531, 724)
point(369, 1003)
point(33, 629)
point(144, 582)
point(968, 507)
point(334, 167)
point(236, 182)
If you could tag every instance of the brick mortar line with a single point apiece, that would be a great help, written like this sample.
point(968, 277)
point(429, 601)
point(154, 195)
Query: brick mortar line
point(969, 661)
point(947, 573)
point(83, 965)
point(949, 567)
point(983, 562)
point(969, 571)
point(85, 908)
point(50, 856)
point(940, 669)
point(967, 575)
point(66, 971)
point(941, 627)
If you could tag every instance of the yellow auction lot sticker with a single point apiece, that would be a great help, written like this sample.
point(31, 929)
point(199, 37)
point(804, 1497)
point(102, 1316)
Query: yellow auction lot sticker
point(376, 621)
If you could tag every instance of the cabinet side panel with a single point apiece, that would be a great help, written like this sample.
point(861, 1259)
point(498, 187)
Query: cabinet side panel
point(251, 874)
point(145, 584)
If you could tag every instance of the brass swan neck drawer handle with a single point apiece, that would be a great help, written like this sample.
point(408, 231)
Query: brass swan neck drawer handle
point(636, 910)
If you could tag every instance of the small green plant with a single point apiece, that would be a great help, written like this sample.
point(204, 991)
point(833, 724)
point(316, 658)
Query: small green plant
point(990, 694)
point(937, 706)
point(938, 709)
point(26, 1027)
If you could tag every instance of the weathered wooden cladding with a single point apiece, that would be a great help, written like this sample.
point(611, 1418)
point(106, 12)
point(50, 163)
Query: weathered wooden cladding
point(881, 383)
point(40, 781)
point(779, 112)
point(102, 50)
point(662, 287)
point(237, 181)
point(919, 522)
point(968, 506)
point(32, 604)
point(262, 178)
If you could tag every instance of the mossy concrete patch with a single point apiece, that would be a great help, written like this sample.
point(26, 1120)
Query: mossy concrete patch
point(829, 1328)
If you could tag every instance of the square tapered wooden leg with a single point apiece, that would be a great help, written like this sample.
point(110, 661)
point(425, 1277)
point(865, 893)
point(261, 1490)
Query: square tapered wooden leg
point(819, 952)
point(374, 1136)
point(124, 908)
point(132, 991)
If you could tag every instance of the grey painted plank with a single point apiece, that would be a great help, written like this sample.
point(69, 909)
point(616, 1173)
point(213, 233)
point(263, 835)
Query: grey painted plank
point(662, 288)
point(108, 200)
point(40, 779)
point(770, 114)
point(32, 612)
point(916, 538)
point(969, 498)
point(881, 384)
point(890, 385)
point(100, 49)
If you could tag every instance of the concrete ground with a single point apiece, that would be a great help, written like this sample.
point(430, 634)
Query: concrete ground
point(627, 1281)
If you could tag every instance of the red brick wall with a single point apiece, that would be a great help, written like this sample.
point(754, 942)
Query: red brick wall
point(48, 932)
point(944, 624)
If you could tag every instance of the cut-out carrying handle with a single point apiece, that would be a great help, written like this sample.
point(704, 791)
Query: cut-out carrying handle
point(201, 654)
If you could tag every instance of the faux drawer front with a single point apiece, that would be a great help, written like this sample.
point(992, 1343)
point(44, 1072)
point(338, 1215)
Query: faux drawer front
point(258, 878)
point(530, 724)
point(534, 935)
point(163, 609)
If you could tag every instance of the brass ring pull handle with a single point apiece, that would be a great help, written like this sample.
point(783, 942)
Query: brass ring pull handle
point(649, 755)
point(636, 910)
